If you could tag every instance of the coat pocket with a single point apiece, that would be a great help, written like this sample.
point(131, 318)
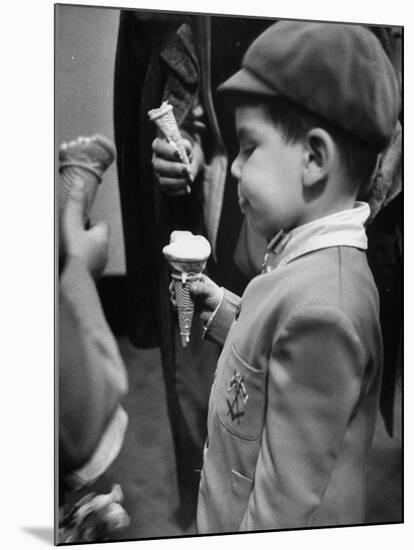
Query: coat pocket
point(241, 488)
point(240, 397)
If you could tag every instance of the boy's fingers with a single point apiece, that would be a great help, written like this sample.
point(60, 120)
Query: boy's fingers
point(173, 300)
point(74, 209)
point(200, 288)
point(171, 289)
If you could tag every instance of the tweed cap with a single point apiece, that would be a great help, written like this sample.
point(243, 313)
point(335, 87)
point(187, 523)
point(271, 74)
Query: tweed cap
point(337, 71)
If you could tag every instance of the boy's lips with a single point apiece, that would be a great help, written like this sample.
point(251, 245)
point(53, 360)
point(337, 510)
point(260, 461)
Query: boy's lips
point(242, 204)
point(242, 200)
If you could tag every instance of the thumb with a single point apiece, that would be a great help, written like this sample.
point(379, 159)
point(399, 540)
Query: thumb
point(100, 232)
point(74, 209)
point(200, 289)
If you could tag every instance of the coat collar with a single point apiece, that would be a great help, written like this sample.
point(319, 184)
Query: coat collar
point(344, 228)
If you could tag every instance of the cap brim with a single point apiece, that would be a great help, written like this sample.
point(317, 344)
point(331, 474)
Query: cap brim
point(246, 82)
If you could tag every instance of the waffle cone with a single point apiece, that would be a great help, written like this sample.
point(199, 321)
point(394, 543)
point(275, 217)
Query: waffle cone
point(72, 173)
point(165, 120)
point(168, 126)
point(84, 159)
point(185, 308)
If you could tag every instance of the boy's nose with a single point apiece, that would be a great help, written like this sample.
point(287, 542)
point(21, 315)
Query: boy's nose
point(235, 168)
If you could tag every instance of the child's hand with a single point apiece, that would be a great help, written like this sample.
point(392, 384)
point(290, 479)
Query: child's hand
point(205, 293)
point(175, 176)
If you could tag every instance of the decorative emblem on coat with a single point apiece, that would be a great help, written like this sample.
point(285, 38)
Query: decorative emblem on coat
point(237, 404)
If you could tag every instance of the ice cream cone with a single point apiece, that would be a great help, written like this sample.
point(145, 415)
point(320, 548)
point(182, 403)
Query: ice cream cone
point(85, 158)
point(164, 119)
point(187, 255)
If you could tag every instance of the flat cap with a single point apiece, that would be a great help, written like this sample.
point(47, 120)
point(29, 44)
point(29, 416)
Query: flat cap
point(337, 71)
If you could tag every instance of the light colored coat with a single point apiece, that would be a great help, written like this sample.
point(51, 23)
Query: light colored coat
point(293, 406)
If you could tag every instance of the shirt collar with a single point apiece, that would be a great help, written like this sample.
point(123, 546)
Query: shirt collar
point(344, 228)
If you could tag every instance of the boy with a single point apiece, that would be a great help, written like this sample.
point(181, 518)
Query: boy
point(293, 406)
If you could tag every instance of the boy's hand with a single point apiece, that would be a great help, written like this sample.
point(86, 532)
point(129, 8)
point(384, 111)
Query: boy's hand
point(175, 176)
point(206, 295)
point(89, 245)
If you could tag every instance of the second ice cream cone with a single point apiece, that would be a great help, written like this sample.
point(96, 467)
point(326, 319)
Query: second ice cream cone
point(71, 173)
point(85, 159)
point(164, 119)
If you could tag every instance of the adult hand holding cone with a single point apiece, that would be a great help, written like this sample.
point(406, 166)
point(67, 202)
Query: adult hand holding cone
point(163, 117)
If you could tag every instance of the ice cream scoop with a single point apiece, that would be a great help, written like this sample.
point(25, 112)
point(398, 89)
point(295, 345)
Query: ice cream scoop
point(187, 253)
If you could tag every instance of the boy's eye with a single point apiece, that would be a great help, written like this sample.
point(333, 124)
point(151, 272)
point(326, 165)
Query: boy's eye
point(247, 150)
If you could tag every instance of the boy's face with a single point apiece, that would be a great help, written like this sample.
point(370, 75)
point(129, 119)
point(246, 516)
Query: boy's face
point(268, 171)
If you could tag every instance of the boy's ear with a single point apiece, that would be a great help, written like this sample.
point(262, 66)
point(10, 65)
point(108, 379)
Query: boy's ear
point(319, 155)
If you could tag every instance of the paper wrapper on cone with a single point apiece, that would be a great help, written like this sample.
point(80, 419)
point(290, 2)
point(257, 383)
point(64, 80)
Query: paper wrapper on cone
point(85, 159)
point(185, 307)
point(184, 273)
point(164, 119)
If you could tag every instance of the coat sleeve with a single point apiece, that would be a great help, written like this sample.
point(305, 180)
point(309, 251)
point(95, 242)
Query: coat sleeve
point(314, 381)
point(222, 318)
point(92, 380)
